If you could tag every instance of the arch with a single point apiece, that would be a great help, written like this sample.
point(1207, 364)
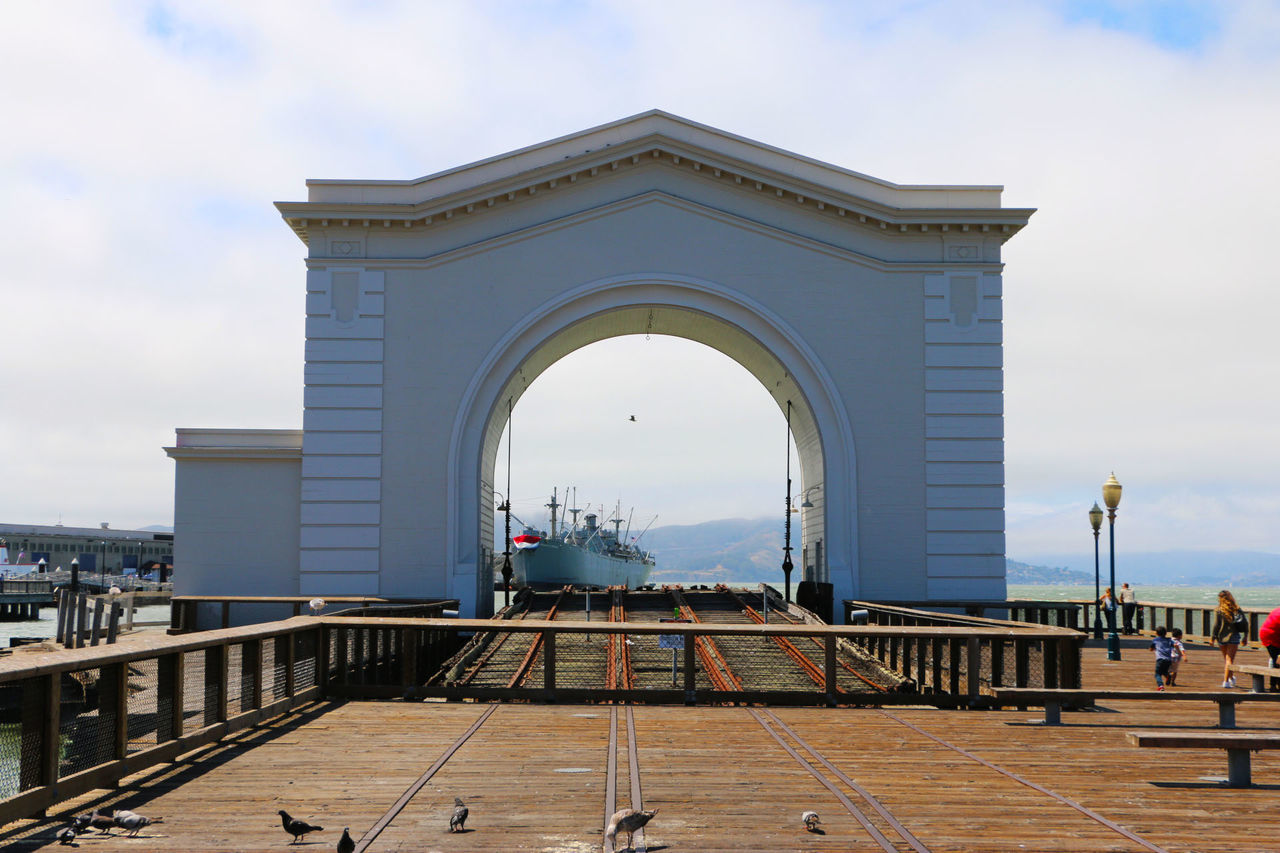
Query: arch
point(700, 310)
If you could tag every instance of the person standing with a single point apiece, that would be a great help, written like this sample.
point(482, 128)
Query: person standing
point(1107, 602)
point(1269, 636)
point(1128, 604)
point(1230, 626)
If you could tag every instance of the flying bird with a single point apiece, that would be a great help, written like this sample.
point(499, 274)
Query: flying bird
point(68, 836)
point(628, 821)
point(458, 819)
point(346, 844)
point(633, 418)
point(297, 828)
point(811, 821)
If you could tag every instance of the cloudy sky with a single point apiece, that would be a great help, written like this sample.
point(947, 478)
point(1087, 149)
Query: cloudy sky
point(149, 283)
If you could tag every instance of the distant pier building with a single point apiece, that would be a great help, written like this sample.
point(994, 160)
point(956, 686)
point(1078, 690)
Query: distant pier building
point(94, 547)
point(873, 308)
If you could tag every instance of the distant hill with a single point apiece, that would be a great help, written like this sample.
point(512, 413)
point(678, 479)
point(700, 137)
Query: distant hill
point(749, 550)
point(1178, 568)
point(1016, 572)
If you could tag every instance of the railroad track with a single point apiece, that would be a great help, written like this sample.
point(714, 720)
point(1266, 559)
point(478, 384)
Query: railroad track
point(811, 667)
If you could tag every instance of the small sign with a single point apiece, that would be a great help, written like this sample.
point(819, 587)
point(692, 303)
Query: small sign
point(671, 641)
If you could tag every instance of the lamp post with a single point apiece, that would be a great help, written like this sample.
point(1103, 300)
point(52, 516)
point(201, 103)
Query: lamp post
point(1111, 497)
point(1095, 520)
point(786, 536)
point(507, 571)
point(102, 571)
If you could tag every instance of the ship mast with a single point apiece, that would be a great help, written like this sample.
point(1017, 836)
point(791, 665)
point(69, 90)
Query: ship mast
point(616, 521)
point(553, 506)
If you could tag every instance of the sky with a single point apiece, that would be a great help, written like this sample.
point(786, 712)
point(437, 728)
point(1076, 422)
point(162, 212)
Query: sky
point(150, 284)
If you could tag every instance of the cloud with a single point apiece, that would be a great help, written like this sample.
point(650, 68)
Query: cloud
point(151, 285)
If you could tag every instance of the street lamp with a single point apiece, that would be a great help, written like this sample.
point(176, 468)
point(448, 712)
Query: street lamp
point(1095, 519)
point(102, 572)
point(786, 536)
point(1111, 497)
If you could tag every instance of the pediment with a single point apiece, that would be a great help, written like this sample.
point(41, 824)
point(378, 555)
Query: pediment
point(643, 141)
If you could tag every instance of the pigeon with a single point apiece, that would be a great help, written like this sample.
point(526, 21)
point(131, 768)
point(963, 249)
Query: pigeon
point(130, 821)
point(297, 828)
point(346, 844)
point(628, 821)
point(67, 836)
point(811, 821)
point(95, 820)
point(458, 819)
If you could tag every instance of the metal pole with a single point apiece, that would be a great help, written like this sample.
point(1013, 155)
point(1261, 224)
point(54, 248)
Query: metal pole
point(506, 553)
point(786, 549)
point(1113, 639)
point(1097, 591)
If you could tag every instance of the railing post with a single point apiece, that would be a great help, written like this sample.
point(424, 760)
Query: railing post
point(973, 668)
point(40, 742)
point(82, 620)
point(954, 645)
point(290, 657)
point(1049, 657)
point(1021, 662)
point(113, 697)
point(324, 659)
point(169, 684)
point(340, 652)
point(215, 685)
point(829, 673)
point(251, 674)
point(408, 658)
point(549, 662)
point(690, 670)
point(936, 645)
point(997, 662)
point(113, 622)
point(226, 614)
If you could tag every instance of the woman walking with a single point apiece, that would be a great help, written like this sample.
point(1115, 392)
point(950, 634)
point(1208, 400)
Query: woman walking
point(1229, 626)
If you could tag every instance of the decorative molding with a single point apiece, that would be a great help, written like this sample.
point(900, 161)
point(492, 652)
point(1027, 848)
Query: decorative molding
point(299, 215)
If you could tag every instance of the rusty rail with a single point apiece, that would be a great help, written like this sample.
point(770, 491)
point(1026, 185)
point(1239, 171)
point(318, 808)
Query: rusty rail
point(522, 671)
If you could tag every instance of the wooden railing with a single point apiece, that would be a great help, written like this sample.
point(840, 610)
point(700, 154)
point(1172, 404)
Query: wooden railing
point(81, 719)
point(1195, 620)
point(189, 613)
point(1061, 614)
point(1046, 657)
point(26, 586)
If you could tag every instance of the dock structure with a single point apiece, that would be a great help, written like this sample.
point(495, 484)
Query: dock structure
point(218, 730)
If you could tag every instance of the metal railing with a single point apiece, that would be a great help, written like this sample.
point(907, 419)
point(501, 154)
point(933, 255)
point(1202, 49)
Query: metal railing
point(1060, 614)
point(26, 586)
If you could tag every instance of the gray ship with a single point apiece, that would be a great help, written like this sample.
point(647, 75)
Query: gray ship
point(586, 555)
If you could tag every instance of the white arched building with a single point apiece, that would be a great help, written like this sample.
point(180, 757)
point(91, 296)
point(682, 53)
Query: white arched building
point(875, 309)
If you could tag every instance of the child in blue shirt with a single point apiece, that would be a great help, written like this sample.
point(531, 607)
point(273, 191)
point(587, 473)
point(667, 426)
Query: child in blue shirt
point(1163, 646)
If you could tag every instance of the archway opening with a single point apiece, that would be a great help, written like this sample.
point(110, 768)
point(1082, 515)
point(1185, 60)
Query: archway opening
point(677, 440)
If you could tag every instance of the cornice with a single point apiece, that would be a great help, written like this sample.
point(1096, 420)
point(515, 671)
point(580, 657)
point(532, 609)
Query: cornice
point(495, 195)
point(279, 454)
point(651, 197)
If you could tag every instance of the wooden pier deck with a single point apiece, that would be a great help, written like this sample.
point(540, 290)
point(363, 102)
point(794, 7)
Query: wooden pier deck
point(542, 777)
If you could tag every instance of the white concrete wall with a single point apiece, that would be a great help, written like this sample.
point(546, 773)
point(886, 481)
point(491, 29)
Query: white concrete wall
point(430, 302)
point(236, 513)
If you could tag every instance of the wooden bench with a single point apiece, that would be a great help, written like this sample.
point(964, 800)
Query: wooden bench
point(1237, 744)
point(1260, 675)
point(1053, 701)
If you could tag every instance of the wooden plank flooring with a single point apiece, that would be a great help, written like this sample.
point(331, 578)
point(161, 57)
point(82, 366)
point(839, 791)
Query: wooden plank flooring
point(535, 778)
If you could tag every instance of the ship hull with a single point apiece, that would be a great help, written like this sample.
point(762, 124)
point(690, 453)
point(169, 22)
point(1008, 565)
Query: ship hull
point(555, 564)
